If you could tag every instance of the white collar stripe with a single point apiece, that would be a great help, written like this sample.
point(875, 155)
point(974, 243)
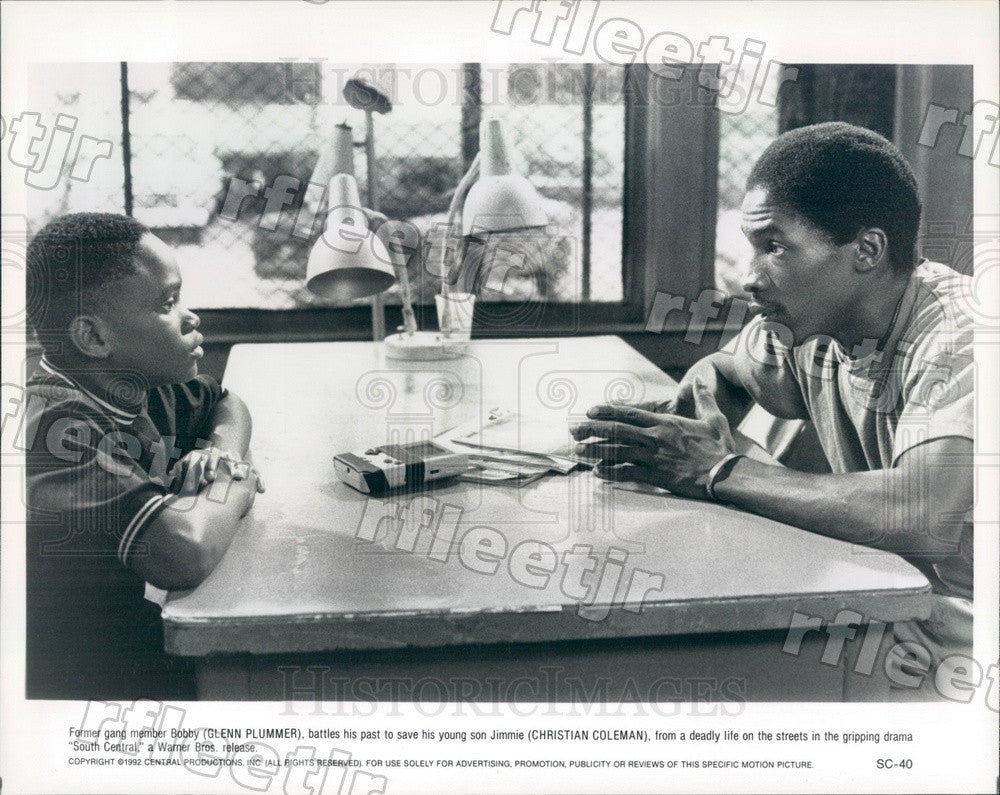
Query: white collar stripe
point(120, 414)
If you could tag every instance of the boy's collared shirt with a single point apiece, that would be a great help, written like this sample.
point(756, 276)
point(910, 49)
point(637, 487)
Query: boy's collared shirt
point(98, 473)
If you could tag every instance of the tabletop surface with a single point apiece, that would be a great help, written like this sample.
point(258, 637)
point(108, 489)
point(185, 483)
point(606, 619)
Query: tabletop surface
point(318, 566)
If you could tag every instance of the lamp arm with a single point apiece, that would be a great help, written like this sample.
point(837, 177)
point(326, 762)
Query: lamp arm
point(405, 294)
point(457, 200)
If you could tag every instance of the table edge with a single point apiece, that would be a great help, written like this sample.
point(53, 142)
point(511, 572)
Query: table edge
point(331, 632)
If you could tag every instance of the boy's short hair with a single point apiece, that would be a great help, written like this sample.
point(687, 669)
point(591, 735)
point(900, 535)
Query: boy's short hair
point(842, 178)
point(70, 262)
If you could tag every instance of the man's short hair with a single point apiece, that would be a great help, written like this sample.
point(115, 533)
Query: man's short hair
point(843, 178)
point(71, 261)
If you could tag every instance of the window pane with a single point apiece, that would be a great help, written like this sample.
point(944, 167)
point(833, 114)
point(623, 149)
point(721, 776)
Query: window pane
point(545, 117)
point(88, 176)
point(742, 139)
point(223, 154)
point(202, 131)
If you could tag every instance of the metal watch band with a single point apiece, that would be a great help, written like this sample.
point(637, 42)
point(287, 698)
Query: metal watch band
point(716, 471)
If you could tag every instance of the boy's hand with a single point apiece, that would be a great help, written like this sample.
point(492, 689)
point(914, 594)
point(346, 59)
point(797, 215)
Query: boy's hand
point(216, 458)
point(201, 467)
point(236, 469)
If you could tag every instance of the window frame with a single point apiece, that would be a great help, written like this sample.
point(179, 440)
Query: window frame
point(669, 207)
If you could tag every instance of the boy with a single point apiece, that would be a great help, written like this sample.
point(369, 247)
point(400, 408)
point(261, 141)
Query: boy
point(128, 452)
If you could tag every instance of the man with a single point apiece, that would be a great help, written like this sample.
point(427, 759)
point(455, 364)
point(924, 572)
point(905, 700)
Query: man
point(857, 336)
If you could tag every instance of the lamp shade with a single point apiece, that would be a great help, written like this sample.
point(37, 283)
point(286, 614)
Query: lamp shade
point(500, 200)
point(370, 90)
point(347, 261)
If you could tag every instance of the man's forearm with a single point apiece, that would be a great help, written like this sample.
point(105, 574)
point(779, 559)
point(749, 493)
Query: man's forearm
point(231, 425)
point(716, 371)
point(876, 509)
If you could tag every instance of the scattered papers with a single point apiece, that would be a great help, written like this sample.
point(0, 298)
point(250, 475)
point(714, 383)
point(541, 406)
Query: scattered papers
point(503, 430)
point(517, 449)
point(513, 449)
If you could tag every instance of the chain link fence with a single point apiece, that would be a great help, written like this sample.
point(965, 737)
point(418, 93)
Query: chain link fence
point(86, 96)
point(200, 130)
point(196, 127)
point(743, 137)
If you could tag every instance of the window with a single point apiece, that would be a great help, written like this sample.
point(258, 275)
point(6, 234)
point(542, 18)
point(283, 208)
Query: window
point(643, 177)
point(743, 137)
point(197, 130)
point(90, 95)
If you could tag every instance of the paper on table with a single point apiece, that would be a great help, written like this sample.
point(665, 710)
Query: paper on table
point(748, 447)
point(499, 477)
point(504, 459)
point(507, 431)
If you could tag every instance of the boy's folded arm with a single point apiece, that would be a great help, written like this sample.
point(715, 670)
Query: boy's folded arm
point(182, 546)
point(231, 425)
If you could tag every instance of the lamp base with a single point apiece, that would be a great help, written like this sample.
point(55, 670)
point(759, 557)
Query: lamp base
point(422, 346)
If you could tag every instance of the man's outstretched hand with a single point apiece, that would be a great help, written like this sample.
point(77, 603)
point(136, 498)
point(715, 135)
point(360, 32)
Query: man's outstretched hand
point(680, 403)
point(663, 449)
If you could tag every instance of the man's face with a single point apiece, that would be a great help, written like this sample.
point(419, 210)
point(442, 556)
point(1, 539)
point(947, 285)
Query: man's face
point(797, 276)
point(151, 332)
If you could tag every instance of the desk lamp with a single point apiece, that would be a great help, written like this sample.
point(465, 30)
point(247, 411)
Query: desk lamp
point(363, 94)
point(492, 198)
point(347, 261)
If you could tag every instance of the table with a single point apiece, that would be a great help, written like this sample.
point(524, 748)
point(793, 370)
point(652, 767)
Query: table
point(550, 590)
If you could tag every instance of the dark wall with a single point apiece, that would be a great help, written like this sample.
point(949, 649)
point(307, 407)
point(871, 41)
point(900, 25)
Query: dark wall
point(862, 94)
point(901, 103)
point(944, 171)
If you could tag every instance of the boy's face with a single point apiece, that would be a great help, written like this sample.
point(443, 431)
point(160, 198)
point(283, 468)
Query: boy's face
point(151, 333)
